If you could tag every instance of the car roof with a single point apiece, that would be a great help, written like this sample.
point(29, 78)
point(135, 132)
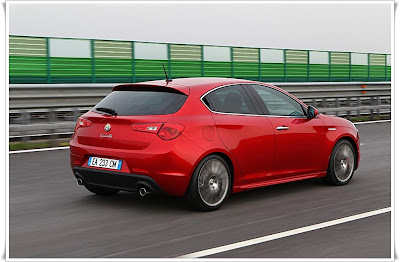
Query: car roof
point(200, 85)
point(186, 85)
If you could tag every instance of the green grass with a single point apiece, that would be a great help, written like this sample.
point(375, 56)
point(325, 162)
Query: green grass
point(34, 145)
point(22, 146)
point(368, 118)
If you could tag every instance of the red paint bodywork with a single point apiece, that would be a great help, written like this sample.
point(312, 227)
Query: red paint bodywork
point(258, 154)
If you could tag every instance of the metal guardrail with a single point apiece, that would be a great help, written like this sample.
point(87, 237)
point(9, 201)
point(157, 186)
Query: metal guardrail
point(51, 111)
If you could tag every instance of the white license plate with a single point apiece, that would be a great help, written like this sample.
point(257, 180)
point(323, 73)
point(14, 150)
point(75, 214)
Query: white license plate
point(105, 163)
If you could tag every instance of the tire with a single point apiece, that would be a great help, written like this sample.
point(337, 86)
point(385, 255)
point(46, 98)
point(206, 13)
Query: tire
point(102, 191)
point(341, 164)
point(210, 184)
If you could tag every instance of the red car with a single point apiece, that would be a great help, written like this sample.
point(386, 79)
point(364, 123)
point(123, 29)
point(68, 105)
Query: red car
point(205, 138)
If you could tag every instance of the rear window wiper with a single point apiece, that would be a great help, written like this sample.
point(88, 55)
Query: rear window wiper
point(107, 110)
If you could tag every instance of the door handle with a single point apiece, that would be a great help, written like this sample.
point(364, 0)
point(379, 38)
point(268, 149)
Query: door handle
point(282, 128)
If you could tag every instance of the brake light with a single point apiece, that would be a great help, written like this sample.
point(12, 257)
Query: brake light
point(166, 131)
point(147, 127)
point(82, 122)
point(170, 131)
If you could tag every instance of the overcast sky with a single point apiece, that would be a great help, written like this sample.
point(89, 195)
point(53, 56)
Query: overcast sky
point(363, 27)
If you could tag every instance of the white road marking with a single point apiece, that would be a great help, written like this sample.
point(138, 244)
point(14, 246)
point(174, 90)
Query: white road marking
point(254, 241)
point(39, 150)
point(372, 122)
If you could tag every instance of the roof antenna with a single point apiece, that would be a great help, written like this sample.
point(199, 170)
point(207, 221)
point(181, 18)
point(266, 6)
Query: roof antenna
point(166, 75)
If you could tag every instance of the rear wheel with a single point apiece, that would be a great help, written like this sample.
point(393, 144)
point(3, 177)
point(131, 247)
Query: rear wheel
point(102, 191)
point(210, 184)
point(341, 164)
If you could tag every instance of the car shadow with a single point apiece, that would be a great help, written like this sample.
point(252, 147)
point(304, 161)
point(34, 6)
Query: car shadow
point(164, 203)
point(132, 200)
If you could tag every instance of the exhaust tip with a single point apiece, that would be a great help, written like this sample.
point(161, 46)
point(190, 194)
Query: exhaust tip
point(80, 182)
point(143, 191)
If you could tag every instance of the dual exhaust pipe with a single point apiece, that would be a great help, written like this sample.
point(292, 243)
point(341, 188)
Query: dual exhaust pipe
point(142, 191)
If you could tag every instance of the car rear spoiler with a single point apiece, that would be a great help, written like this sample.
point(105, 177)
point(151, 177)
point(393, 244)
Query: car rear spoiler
point(151, 87)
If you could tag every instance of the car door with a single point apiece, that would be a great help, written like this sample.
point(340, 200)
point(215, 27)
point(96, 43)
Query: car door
point(299, 140)
point(240, 125)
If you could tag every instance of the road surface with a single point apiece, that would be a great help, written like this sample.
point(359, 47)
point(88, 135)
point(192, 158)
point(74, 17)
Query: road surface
point(52, 217)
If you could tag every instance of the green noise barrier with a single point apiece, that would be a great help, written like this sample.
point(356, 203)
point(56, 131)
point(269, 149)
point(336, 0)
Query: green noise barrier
point(67, 60)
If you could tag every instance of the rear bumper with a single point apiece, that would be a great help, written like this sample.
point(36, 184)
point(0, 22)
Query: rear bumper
point(116, 180)
point(169, 164)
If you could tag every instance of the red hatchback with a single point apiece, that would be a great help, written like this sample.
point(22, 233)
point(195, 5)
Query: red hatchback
point(204, 138)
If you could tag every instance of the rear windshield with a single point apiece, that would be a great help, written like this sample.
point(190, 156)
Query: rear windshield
point(140, 102)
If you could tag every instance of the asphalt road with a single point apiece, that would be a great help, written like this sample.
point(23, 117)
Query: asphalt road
point(52, 217)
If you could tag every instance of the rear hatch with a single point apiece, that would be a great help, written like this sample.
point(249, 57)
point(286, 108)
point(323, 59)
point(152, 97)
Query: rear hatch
point(129, 118)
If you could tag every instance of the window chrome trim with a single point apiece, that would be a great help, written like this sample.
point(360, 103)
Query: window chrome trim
point(237, 114)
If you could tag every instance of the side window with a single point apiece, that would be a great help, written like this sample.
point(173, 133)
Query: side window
point(278, 103)
point(230, 99)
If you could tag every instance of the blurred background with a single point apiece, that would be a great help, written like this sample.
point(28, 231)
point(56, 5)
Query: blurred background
point(64, 58)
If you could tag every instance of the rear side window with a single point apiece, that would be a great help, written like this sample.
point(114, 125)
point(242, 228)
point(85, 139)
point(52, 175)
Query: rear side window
point(142, 102)
point(230, 99)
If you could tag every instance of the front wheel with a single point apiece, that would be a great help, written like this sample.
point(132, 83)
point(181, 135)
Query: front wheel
point(341, 164)
point(210, 184)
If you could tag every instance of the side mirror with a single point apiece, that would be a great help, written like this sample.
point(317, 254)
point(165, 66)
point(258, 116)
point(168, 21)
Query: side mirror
point(311, 112)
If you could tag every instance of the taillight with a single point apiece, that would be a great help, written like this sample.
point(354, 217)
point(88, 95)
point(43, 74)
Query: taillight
point(82, 122)
point(147, 127)
point(170, 131)
point(166, 131)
